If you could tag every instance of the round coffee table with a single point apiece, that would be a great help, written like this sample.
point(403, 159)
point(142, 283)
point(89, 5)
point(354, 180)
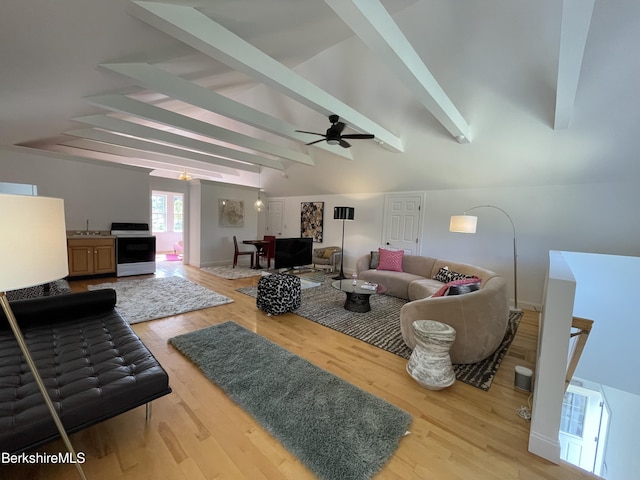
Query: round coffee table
point(357, 294)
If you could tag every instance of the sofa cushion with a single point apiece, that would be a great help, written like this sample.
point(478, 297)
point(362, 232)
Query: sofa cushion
point(395, 283)
point(390, 260)
point(445, 275)
point(423, 287)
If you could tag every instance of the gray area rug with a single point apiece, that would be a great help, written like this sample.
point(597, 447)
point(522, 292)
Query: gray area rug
point(381, 327)
point(151, 298)
point(336, 429)
point(230, 273)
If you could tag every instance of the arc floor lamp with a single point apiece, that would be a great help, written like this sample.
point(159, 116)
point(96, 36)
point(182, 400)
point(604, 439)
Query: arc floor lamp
point(343, 213)
point(33, 251)
point(467, 224)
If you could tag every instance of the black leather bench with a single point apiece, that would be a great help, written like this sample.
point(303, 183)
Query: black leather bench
point(92, 363)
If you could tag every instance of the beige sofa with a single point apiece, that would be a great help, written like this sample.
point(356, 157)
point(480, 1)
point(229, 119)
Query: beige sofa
point(479, 318)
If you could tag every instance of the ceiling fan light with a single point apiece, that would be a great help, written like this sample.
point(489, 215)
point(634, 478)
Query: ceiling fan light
point(333, 141)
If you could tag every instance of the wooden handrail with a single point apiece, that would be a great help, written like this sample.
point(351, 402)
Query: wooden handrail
point(583, 327)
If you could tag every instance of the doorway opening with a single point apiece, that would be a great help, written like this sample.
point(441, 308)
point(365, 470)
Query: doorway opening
point(167, 220)
point(583, 426)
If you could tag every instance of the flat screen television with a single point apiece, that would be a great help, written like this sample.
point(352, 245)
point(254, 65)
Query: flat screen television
point(293, 252)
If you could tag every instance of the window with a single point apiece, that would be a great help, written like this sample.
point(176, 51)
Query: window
point(574, 406)
point(159, 213)
point(178, 213)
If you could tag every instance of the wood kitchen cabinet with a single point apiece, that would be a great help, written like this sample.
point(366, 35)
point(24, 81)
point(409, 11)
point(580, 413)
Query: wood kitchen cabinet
point(91, 256)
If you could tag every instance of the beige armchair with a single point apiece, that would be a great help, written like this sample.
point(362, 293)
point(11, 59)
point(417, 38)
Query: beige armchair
point(327, 257)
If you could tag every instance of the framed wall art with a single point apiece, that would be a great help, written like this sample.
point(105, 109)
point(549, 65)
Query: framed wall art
point(230, 213)
point(312, 220)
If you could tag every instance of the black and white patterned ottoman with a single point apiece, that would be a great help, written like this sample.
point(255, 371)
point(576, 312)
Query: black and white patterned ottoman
point(278, 293)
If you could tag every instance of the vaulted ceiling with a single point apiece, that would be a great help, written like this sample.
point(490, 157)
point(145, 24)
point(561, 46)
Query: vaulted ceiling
point(457, 94)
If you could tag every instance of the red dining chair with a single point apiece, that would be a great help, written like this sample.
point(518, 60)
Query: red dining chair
point(269, 251)
point(237, 253)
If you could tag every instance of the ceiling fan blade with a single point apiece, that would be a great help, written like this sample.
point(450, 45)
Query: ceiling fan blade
point(338, 127)
point(317, 141)
point(359, 135)
point(344, 144)
point(311, 133)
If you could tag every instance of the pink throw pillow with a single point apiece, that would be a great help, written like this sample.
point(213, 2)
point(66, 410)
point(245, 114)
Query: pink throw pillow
point(390, 260)
point(463, 281)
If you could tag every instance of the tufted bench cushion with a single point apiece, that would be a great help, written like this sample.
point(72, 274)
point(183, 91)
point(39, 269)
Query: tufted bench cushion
point(93, 365)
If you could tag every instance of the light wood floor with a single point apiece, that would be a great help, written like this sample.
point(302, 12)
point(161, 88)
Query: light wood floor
point(198, 433)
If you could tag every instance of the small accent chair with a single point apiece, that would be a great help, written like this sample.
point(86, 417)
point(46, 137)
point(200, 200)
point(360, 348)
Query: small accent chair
point(269, 251)
point(327, 257)
point(237, 253)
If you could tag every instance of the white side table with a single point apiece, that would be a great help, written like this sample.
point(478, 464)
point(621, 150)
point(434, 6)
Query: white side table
point(430, 363)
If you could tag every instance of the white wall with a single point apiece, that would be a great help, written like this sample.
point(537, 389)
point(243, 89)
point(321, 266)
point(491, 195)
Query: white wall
point(551, 362)
point(571, 218)
point(621, 459)
point(96, 191)
point(605, 295)
point(214, 244)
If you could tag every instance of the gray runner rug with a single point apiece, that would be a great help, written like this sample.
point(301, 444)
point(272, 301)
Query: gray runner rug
point(336, 429)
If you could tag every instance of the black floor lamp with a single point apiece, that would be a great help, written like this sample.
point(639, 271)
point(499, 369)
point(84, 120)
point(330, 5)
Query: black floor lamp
point(343, 213)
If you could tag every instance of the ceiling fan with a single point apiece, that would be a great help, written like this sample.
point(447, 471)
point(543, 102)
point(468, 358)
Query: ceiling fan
point(334, 134)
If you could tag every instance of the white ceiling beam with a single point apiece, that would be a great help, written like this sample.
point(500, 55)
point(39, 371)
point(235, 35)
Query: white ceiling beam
point(156, 79)
point(192, 27)
point(148, 146)
point(68, 147)
point(376, 28)
point(124, 104)
point(142, 131)
point(157, 160)
point(576, 20)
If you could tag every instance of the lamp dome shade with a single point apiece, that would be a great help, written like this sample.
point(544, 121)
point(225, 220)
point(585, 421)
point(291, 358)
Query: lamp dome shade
point(33, 244)
point(463, 223)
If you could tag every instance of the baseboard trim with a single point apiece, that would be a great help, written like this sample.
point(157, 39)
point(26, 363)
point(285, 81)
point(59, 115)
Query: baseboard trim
point(545, 447)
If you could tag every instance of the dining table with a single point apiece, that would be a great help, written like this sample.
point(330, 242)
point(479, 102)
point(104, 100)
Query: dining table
point(259, 244)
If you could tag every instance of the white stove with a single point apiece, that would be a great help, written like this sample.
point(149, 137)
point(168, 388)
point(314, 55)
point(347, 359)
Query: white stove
point(135, 249)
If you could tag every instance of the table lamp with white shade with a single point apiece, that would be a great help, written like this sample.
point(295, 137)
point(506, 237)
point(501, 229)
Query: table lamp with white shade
point(33, 251)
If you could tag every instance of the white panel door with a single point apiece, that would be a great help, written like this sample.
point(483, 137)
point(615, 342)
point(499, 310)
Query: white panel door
point(274, 218)
point(581, 427)
point(402, 222)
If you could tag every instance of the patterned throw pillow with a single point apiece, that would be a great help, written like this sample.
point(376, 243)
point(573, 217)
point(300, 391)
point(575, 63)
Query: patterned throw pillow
point(375, 260)
point(458, 286)
point(390, 260)
point(445, 275)
point(462, 289)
